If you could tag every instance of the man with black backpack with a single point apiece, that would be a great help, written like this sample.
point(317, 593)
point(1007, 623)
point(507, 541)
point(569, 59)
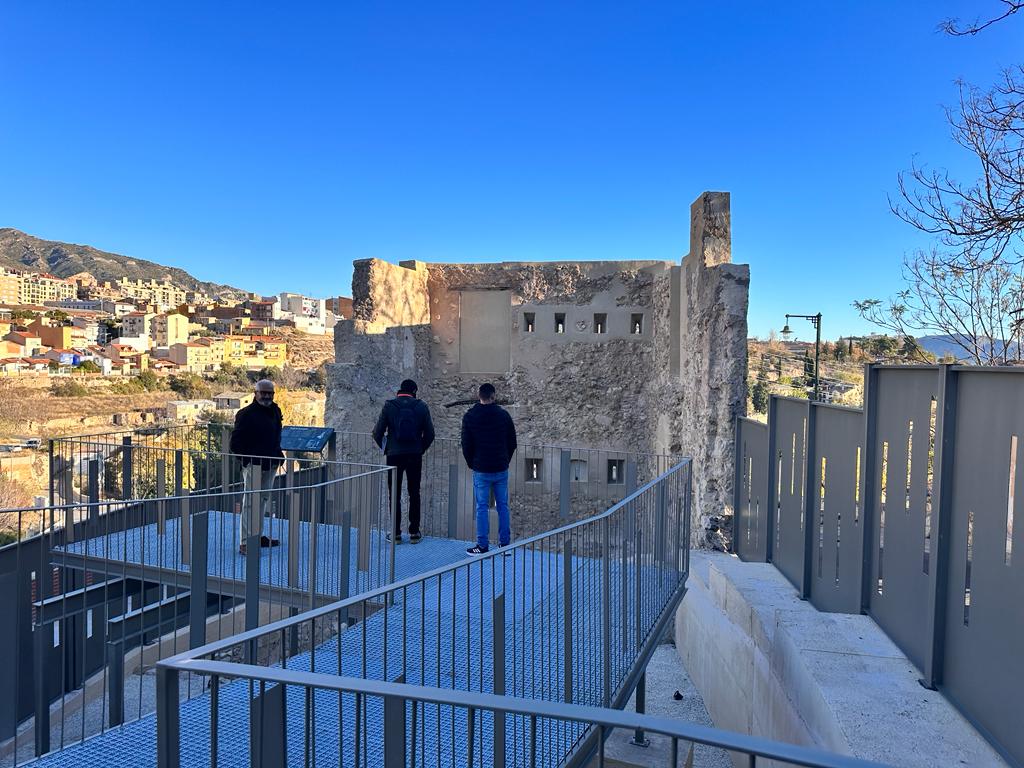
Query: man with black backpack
point(404, 431)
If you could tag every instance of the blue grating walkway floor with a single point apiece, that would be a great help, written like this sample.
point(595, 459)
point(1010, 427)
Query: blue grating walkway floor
point(441, 632)
point(144, 546)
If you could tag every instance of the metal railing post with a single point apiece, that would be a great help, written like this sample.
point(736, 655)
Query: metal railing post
point(252, 556)
point(868, 486)
point(567, 616)
point(639, 737)
point(773, 496)
point(345, 559)
point(198, 581)
point(94, 496)
point(40, 646)
point(564, 485)
point(115, 682)
point(606, 616)
point(498, 624)
point(453, 501)
point(168, 723)
point(292, 506)
point(161, 492)
point(225, 467)
point(127, 459)
point(394, 732)
point(938, 578)
point(52, 475)
point(811, 511)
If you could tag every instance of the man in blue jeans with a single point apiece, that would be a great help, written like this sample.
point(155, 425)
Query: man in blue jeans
point(488, 442)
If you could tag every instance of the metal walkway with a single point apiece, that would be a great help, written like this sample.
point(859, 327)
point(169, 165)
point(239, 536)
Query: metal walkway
point(532, 665)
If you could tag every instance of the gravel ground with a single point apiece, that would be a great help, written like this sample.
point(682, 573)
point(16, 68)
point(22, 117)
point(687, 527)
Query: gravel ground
point(666, 676)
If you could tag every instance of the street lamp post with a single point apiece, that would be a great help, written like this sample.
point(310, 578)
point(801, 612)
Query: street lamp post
point(816, 322)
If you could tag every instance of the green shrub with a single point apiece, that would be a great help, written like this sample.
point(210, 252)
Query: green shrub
point(68, 388)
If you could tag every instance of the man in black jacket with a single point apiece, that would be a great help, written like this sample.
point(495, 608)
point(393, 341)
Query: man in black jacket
point(488, 442)
point(256, 438)
point(404, 431)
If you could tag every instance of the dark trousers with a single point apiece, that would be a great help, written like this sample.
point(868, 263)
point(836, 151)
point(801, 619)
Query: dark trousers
point(411, 466)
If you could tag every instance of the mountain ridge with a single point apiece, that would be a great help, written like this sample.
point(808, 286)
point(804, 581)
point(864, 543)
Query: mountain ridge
point(28, 253)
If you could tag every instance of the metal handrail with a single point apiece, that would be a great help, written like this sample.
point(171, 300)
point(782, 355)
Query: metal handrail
point(384, 591)
point(604, 718)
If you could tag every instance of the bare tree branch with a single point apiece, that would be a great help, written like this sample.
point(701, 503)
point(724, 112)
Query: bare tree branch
point(978, 222)
point(953, 26)
point(980, 309)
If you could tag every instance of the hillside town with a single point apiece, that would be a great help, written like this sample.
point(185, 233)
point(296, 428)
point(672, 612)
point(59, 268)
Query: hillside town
point(57, 326)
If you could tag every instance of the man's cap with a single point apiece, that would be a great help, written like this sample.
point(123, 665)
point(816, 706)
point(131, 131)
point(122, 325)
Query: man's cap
point(408, 387)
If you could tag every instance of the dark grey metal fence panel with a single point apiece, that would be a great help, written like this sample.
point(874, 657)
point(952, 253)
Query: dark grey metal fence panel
point(790, 440)
point(751, 512)
point(902, 497)
point(984, 664)
point(836, 509)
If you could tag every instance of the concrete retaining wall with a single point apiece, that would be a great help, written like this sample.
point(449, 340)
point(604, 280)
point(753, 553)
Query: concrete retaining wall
point(769, 664)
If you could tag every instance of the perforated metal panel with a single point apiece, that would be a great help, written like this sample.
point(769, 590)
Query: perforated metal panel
point(984, 663)
point(901, 494)
point(836, 505)
point(790, 441)
point(751, 511)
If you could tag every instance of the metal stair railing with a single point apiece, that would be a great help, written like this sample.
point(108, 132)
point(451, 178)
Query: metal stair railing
point(571, 616)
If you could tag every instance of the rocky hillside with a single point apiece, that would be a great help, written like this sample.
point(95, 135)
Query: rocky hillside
point(25, 252)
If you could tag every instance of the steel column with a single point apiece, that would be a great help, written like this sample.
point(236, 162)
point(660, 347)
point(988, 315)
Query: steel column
point(115, 682)
point(198, 581)
point(869, 485)
point(168, 722)
point(942, 485)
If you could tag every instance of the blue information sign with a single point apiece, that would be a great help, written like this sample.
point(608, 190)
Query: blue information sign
point(305, 439)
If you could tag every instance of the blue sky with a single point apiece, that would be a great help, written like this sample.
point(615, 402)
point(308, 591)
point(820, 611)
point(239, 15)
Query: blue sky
point(269, 145)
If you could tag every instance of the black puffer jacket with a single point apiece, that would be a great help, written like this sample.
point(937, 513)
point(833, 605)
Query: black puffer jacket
point(258, 433)
point(421, 426)
point(488, 438)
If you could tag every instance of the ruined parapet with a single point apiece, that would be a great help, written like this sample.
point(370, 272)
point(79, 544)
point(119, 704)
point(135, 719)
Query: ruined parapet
point(645, 356)
point(714, 357)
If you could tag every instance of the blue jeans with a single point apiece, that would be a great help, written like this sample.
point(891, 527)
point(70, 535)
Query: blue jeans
point(483, 483)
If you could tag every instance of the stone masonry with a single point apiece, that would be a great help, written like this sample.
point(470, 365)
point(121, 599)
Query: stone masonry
point(645, 356)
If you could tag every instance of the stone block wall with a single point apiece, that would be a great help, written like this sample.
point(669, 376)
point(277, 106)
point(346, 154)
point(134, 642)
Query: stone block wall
point(665, 374)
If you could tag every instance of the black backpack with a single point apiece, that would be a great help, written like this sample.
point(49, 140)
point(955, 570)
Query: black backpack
point(407, 429)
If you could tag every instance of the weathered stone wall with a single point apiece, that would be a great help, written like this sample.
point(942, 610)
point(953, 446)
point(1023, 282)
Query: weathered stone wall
point(674, 387)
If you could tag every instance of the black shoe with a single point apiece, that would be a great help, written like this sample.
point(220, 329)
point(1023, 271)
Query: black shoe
point(398, 538)
point(475, 550)
point(415, 538)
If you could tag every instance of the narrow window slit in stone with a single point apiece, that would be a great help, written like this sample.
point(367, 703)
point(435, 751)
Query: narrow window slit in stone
point(559, 322)
point(600, 322)
point(636, 323)
point(616, 471)
point(529, 322)
point(533, 470)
